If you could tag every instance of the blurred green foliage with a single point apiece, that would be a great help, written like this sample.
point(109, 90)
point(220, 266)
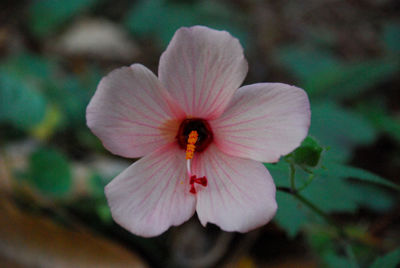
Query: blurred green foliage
point(21, 103)
point(391, 37)
point(390, 260)
point(380, 118)
point(50, 172)
point(325, 76)
point(340, 129)
point(33, 86)
point(160, 19)
point(47, 16)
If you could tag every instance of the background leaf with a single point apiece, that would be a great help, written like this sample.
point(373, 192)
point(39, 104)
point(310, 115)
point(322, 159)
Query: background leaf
point(21, 104)
point(381, 119)
point(291, 214)
point(50, 172)
point(47, 16)
point(391, 36)
point(390, 260)
point(346, 81)
point(344, 171)
point(339, 129)
point(306, 61)
point(160, 19)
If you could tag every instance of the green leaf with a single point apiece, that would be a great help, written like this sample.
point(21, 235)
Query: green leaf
point(335, 261)
point(97, 184)
point(21, 104)
point(220, 16)
point(47, 16)
point(279, 172)
point(390, 260)
point(104, 213)
point(323, 75)
point(391, 36)
point(49, 172)
point(41, 76)
point(304, 61)
point(345, 81)
point(332, 195)
point(73, 98)
point(144, 17)
point(291, 214)
point(29, 66)
point(331, 191)
point(324, 243)
point(382, 201)
point(381, 119)
point(339, 129)
point(320, 240)
point(161, 19)
point(72, 95)
point(309, 153)
point(346, 171)
point(176, 16)
point(355, 194)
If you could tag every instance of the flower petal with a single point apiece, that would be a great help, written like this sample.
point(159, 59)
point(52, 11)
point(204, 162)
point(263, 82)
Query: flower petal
point(202, 68)
point(263, 122)
point(152, 194)
point(240, 194)
point(132, 113)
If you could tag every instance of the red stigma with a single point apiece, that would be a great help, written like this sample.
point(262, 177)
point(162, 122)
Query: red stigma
point(194, 179)
point(192, 189)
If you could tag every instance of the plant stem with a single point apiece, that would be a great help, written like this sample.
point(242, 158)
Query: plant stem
point(350, 255)
point(314, 208)
point(292, 177)
point(309, 180)
point(296, 193)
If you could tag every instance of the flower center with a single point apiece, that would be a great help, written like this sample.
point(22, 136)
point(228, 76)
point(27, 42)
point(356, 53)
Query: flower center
point(190, 148)
point(203, 129)
point(194, 135)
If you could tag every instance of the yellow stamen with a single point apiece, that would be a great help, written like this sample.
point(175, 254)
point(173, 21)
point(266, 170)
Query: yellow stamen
point(190, 147)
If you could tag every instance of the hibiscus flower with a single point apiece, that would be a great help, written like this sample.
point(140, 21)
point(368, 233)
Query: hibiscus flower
point(201, 138)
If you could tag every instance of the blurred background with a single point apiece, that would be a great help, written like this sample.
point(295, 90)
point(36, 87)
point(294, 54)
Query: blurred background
point(345, 54)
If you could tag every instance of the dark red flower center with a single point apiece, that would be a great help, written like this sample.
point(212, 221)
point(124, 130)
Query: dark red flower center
point(203, 129)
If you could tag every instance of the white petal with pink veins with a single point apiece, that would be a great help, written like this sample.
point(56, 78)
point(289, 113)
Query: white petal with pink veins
point(152, 194)
point(240, 194)
point(132, 113)
point(263, 122)
point(202, 68)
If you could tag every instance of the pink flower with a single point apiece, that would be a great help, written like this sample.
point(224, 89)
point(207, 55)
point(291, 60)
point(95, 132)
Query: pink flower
point(201, 138)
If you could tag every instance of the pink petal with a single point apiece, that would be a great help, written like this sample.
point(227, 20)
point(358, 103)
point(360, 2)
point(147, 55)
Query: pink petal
point(240, 194)
point(263, 122)
point(202, 68)
point(152, 194)
point(132, 113)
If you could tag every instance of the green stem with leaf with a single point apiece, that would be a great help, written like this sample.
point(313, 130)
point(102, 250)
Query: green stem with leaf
point(295, 193)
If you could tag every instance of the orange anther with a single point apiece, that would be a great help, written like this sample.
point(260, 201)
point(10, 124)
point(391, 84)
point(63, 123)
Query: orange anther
point(190, 147)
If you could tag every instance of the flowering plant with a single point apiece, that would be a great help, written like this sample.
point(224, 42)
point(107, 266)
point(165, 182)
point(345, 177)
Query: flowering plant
point(201, 137)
